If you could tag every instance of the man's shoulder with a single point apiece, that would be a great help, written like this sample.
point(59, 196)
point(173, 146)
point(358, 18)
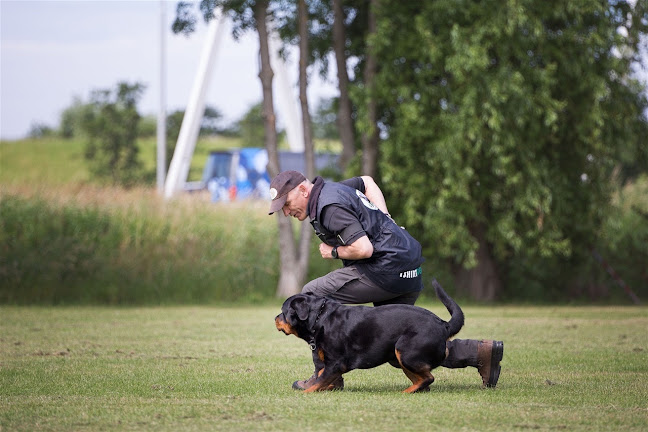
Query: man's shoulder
point(355, 183)
point(336, 192)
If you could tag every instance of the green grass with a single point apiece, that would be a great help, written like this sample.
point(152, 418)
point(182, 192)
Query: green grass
point(214, 368)
point(56, 161)
point(42, 161)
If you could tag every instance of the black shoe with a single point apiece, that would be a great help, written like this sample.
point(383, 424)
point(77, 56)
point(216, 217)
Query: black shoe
point(489, 356)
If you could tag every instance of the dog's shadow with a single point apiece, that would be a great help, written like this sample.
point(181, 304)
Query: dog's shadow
point(396, 388)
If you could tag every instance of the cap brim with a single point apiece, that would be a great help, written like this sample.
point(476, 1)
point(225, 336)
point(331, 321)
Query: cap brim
point(277, 204)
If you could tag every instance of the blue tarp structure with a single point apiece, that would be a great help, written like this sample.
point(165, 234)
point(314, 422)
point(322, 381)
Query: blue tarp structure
point(242, 174)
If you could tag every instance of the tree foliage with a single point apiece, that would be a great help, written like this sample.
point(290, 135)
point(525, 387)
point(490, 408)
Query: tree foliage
point(110, 126)
point(250, 127)
point(504, 122)
point(324, 120)
point(72, 118)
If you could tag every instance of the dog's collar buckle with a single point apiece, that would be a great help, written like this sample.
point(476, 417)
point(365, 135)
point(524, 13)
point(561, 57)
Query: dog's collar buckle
point(312, 345)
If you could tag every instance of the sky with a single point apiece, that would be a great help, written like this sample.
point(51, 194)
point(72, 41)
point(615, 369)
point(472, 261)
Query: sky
point(53, 52)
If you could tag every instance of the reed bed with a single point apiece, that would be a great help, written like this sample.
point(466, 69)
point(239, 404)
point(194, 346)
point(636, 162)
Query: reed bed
point(88, 244)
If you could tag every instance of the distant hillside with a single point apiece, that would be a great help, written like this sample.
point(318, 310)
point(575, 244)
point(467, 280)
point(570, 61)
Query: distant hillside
point(56, 161)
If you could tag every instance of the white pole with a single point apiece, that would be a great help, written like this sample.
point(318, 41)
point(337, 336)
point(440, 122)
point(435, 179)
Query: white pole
point(190, 127)
point(286, 98)
point(161, 119)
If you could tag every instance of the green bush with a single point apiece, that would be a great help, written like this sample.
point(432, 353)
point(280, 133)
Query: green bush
point(624, 239)
point(622, 243)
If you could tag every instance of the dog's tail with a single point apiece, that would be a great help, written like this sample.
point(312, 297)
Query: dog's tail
point(456, 314)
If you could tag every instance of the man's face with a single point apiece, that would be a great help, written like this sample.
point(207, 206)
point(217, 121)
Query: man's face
point(296, 203)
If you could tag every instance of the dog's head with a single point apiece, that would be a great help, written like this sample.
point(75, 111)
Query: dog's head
point(298, 314)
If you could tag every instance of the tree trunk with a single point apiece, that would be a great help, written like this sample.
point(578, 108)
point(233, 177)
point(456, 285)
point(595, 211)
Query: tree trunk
point(266, 75)
point(344, 120)
point(309, 151)
point(289, 274)
point(370, 135)
point(481, 283)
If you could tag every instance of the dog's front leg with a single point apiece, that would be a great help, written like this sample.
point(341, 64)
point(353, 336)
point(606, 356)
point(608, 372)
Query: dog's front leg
point(325, 378)
point(318, 361)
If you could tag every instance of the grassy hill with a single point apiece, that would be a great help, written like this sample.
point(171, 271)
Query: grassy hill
point(56, 161)
point(46, 161)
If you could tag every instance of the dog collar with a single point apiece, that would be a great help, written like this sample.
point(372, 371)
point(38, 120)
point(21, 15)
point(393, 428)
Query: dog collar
point(311, 343)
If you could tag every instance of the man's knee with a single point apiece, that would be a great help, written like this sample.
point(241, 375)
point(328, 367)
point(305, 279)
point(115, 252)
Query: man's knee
point(311, 288)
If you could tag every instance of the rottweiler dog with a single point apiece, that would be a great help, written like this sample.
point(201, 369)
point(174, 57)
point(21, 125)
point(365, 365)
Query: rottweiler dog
point(344, 338)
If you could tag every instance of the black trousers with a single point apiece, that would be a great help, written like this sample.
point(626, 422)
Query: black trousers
point(347, 285)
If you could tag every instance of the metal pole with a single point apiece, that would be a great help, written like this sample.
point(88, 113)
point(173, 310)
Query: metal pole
point(190, 127)
point(286, 97)
point(161, 119)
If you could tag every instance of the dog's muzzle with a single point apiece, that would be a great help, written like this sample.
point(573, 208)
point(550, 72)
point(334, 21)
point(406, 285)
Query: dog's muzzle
point(282, 325)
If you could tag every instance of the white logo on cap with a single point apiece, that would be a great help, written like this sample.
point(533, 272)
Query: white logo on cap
point(273, 193)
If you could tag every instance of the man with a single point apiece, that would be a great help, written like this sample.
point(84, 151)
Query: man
point(381, 261)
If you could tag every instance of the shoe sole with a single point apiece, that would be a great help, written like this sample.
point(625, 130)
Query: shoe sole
point(496, 357)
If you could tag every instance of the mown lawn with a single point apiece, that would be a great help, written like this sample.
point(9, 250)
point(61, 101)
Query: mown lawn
point(227, 368)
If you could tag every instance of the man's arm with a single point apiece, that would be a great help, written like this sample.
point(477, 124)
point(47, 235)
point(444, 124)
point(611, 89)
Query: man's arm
point(375, 195)
point(359, 249)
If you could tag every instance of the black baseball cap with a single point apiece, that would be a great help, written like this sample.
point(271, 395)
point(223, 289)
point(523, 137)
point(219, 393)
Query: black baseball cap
point(283, 183)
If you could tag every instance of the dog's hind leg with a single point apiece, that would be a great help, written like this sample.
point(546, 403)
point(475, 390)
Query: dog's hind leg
point(420, 376)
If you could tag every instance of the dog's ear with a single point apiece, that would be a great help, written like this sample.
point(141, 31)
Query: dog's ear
point(301, 307)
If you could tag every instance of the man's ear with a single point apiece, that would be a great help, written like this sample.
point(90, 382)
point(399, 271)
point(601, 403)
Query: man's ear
point(303, 190)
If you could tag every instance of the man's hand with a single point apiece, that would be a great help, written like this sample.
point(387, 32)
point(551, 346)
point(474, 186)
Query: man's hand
point(325, 251)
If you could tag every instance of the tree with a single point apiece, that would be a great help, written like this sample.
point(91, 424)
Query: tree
point(211, 121)
point(304, 61)
point(345, 120)
point(72, 117)
point(293, 264)
point(110, 126)
point(504, 124)
point(341, 27)
point(369, 123)
point(306, 233)
point(251, 127)
point(246, 15)
point(40, 130)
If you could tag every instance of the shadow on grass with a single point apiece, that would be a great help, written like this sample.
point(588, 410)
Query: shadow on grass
point(397, 388)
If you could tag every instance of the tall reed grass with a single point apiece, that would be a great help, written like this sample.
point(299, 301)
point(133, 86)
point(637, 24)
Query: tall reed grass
point(83, 244)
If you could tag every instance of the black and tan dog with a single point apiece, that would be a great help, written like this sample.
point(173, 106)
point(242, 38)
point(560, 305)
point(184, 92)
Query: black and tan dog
point(344, 338)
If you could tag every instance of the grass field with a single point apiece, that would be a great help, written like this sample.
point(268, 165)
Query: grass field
point(211, 368)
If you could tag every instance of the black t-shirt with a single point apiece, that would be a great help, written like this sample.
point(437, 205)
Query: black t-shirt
point(338, 218)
